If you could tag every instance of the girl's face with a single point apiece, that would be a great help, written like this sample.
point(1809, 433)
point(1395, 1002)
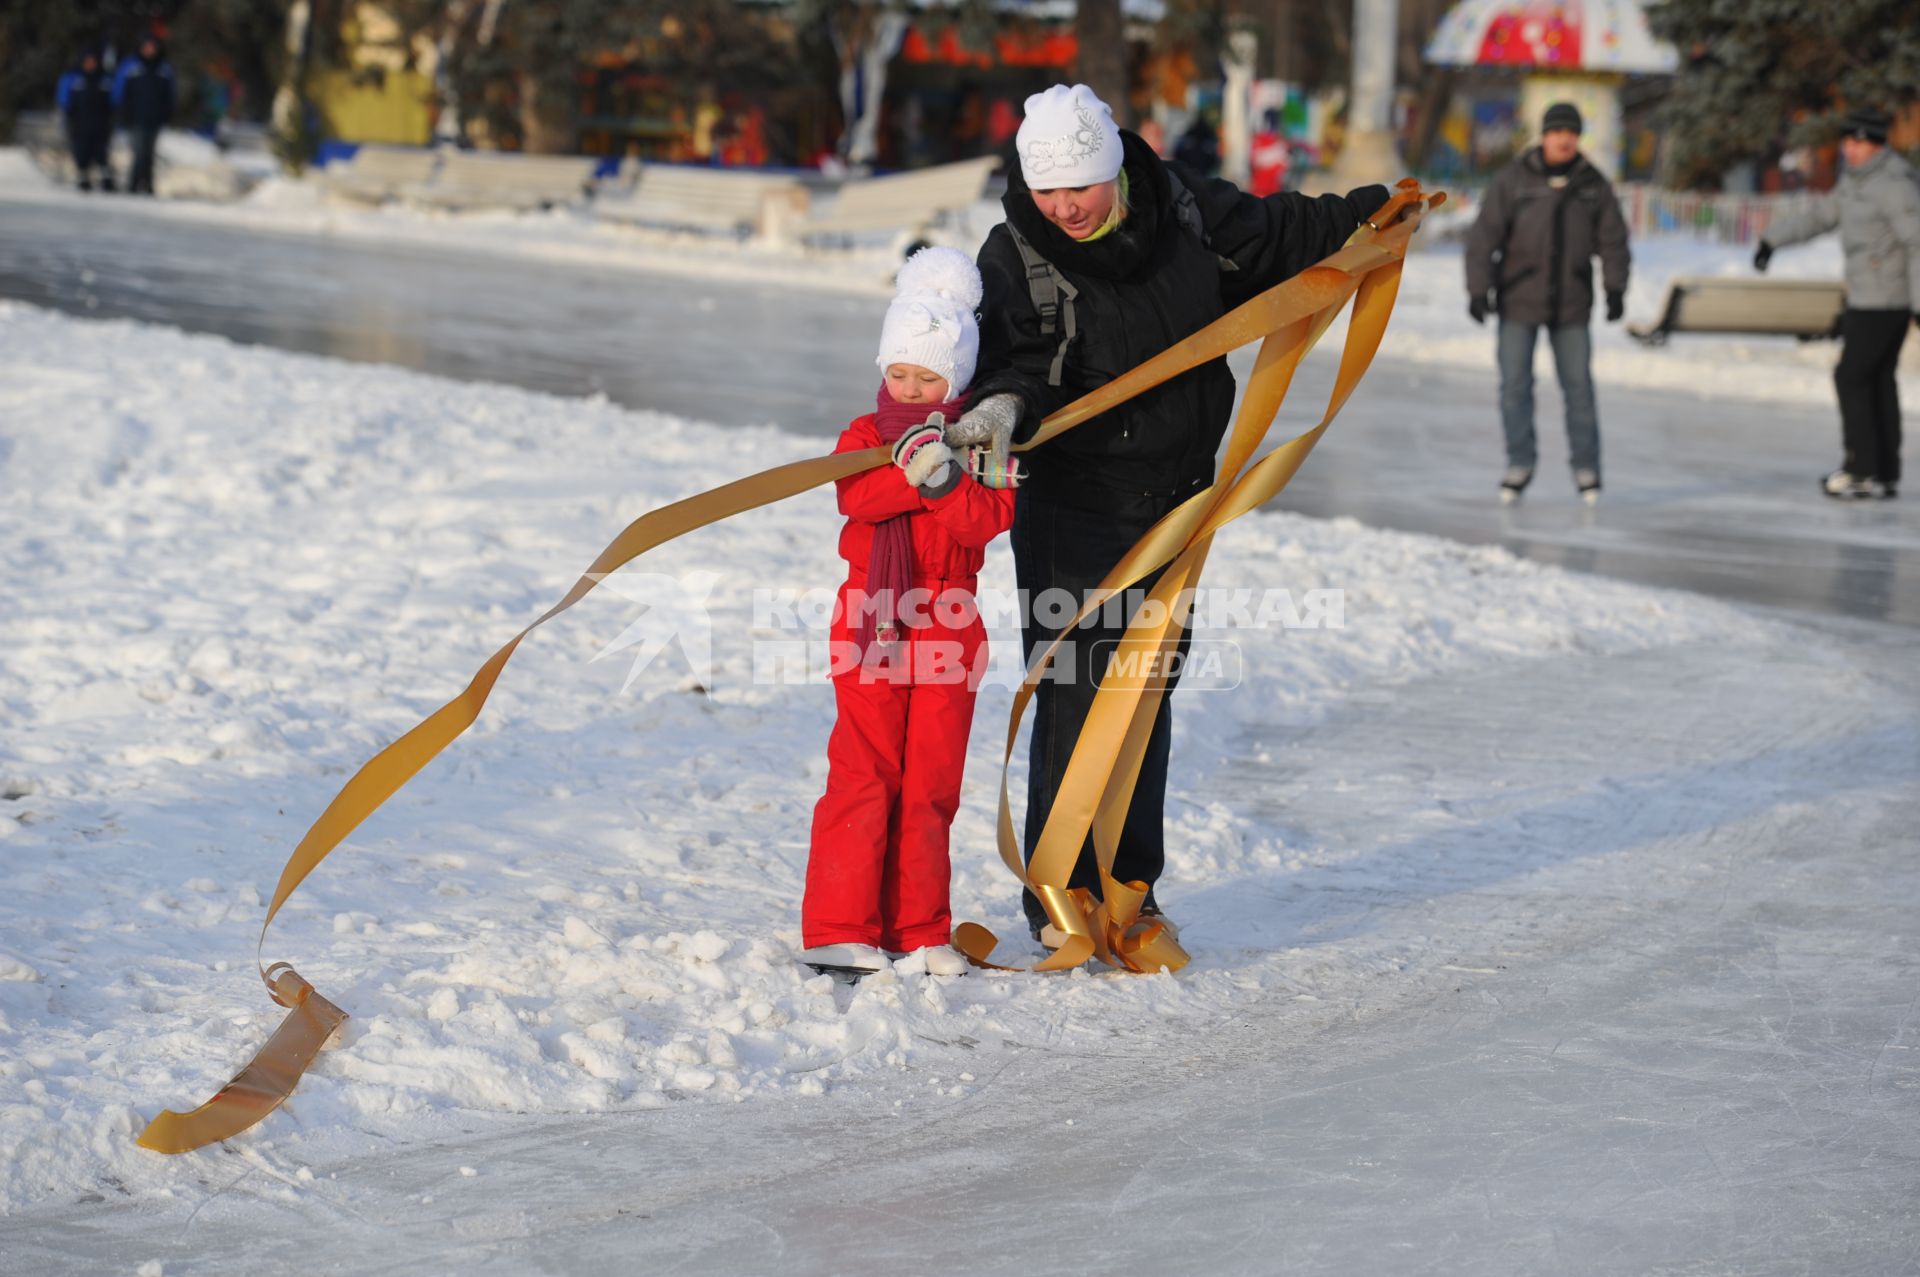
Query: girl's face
point(910, 383)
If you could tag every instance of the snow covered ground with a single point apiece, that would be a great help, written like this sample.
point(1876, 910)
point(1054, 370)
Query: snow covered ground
point(233, 574)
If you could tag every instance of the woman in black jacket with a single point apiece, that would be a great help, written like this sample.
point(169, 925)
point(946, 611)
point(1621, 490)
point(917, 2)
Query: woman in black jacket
point(1109, 255)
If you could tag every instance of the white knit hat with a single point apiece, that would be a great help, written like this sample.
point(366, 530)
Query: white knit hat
point(1068, 138)
point(931, 321)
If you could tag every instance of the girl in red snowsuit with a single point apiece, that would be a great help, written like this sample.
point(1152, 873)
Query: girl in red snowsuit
point(907, 644)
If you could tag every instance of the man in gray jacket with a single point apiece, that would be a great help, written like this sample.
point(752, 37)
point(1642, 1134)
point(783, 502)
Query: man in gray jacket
point(1876, 208)
point(1529, 259)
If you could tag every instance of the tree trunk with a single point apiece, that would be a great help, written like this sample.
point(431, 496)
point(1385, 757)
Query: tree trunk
point(1436, 93)
point(1102, 62)
point(290, 135)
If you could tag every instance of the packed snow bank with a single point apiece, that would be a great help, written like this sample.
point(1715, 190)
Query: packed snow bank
point(235, 574)
point(302, 205)
point(19, 175)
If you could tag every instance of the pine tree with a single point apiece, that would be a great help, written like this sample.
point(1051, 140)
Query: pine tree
point(1759, 74)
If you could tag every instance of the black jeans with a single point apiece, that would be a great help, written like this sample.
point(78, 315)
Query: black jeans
point(1063, 548)
point(1869, 392)
point(89, 148)
point(145, 139)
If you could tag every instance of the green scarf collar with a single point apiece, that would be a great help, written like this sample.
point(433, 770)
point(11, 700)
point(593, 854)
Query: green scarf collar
point(1115, 216)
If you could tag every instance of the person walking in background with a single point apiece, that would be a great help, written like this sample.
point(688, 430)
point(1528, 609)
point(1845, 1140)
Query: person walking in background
point(85, 97)
point(1876, 208)
point(1198, 147)
point(1270, 157)
point(1547, 214)
point(143, 90)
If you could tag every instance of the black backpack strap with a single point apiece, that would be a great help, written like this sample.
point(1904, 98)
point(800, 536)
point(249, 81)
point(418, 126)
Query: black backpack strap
point(1053, 296)
point(1048, 287)
point(1186, 211)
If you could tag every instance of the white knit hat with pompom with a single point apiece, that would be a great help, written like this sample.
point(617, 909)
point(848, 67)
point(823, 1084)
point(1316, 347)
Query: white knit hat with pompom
point(931, 321)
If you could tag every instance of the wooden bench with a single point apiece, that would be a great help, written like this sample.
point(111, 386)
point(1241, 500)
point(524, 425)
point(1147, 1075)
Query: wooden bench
point(504, 179)
point(682, 197)
point(1805, 308)
point(911, 202)
point(377, 174)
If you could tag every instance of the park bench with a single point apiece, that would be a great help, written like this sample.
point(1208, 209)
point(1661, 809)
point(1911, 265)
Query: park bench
point(503, 179)
point(912, 202)
point(681, 197)
point(1805, 308)
point(377, 174)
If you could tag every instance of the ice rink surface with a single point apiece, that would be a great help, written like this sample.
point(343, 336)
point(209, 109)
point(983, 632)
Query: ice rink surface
point(1706, 492)
point(1598, 961)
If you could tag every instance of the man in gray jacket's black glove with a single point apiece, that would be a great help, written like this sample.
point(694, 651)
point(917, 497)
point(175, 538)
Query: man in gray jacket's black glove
point(1529, 259)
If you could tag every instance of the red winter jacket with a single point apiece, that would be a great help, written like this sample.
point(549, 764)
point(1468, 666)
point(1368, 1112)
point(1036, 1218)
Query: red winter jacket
point(950, 536)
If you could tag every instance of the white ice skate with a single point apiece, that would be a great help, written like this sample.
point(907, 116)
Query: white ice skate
point(850, 961)
point(1514, 482)
point(1842, 486)
point(1588, 482)
point(935, 959)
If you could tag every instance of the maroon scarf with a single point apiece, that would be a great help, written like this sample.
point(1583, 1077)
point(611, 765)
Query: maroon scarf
point(890, 562)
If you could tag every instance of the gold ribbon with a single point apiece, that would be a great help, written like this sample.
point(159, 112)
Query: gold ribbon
point(1308, 299)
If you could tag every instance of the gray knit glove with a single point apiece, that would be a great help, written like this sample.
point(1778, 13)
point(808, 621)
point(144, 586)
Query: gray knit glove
point(989, 422)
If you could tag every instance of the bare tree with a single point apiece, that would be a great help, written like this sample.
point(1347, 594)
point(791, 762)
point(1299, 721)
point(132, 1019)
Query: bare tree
point(1102, 63)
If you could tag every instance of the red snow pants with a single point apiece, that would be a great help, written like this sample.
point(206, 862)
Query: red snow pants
point(877, 869)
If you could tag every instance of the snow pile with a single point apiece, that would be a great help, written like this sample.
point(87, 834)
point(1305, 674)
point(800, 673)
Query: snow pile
point(236, 574)
point(19, 175)
point(303, 205)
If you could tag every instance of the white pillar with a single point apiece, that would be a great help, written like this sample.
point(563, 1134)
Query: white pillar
point(1376, 25)
point(1369, 154)
point(1236, 130)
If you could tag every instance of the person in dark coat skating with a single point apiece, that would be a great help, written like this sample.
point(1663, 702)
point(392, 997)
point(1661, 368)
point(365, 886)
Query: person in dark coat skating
point(1109, 255)
point(143, 90)
point(1530, 261)
point(85, 97)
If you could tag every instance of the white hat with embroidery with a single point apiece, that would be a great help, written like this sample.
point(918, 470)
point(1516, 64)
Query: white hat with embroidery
point(1068, 138)
point(931, 321)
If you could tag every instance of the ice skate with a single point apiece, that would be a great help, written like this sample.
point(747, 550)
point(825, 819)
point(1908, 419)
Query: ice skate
point(1514, 482)
point(935, 959)
point(847, 961)
point(1842, 486)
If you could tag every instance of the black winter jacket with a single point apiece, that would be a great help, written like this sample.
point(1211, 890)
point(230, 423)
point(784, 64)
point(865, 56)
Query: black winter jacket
point(1144, 286)
point(86, 98)
point(145, 93)
point(1545, 237)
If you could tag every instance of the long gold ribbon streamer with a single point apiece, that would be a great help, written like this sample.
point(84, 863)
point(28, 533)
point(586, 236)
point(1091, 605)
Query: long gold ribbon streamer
point(1312, 297)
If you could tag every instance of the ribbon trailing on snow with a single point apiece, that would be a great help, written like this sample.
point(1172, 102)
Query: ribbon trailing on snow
point(1101, 775)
